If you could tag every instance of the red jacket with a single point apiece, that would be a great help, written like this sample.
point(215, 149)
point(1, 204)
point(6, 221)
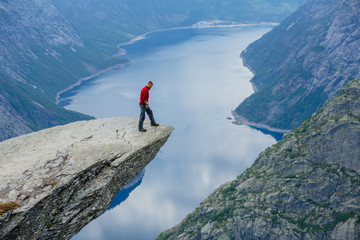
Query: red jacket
point(144, 95)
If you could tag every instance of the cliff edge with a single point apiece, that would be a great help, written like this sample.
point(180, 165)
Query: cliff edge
point(304, 187)
point(53, 182)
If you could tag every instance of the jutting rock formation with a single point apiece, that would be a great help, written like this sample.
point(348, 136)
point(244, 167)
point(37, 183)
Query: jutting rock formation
point(53, 182)
point(306, 186)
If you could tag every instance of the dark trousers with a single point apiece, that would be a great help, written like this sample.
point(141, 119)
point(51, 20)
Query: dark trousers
point(149, 112)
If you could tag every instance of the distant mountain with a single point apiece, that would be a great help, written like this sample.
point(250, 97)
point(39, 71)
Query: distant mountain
point(302, 63)
point(304, 187)
point(47, 45)
point(108, 22)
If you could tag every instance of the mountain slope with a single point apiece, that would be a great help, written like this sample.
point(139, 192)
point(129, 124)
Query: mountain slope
point(304, 187)
point(302, 63)
point(12, 123)
point(34, 41)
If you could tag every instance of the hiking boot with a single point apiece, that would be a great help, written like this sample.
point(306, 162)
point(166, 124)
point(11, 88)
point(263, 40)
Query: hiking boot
point(155, 124)
point(142, 130)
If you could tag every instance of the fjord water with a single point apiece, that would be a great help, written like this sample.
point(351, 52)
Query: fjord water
point(198, 79)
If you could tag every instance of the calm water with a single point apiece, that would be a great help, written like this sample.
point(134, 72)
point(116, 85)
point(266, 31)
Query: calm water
point(198, 79)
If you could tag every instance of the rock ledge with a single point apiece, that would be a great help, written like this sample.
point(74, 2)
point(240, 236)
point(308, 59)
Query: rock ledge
point(64, 177)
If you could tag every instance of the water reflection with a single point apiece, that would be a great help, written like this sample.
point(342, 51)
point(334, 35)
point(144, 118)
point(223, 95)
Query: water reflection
point(197, 82)
point(277, 135)
point(126, 190)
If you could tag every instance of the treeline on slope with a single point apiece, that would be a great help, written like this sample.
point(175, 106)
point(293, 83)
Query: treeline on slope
point(48, 45)
point(302, 63)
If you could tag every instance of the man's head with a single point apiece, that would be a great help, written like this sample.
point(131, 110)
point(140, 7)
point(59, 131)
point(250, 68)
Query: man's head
point(149, 84)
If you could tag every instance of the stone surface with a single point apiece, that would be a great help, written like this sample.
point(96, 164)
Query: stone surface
point(306, 186)
point(64, 177)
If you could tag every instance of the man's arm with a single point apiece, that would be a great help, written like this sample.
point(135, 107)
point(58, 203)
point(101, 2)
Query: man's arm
point(146, 100)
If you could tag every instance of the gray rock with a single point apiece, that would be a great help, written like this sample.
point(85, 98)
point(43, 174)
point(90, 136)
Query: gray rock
point(63, 177)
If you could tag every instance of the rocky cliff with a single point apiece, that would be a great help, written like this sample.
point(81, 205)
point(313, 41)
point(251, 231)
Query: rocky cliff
point(53, 182)
point(302, 63)
point(306, 186)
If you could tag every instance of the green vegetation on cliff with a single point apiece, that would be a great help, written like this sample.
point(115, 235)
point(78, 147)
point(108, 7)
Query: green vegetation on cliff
point(306, 186)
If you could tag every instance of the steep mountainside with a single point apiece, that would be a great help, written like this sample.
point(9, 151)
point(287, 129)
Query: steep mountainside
point(306, 186)
point(302, 63)
point(47, 45)
point(38, 57)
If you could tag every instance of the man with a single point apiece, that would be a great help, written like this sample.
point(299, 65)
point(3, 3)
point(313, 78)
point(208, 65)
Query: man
point(144, 107)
